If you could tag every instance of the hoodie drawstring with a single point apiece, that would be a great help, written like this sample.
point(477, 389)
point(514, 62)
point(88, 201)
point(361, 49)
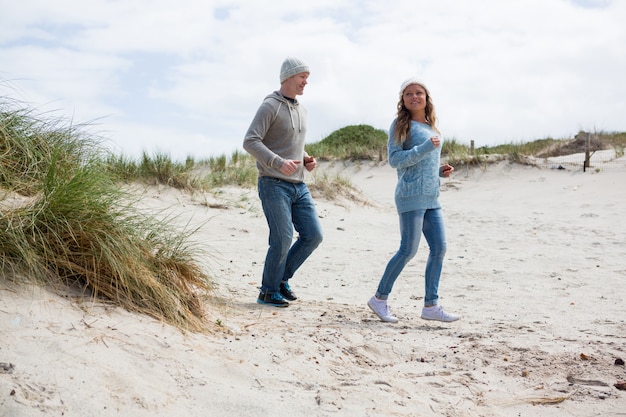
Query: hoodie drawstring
point(289, 107)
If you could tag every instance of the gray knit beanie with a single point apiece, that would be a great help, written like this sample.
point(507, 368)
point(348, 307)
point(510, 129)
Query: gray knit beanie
point(291, 67)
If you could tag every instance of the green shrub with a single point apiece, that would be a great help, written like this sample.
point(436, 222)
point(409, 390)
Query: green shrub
point(359, 142)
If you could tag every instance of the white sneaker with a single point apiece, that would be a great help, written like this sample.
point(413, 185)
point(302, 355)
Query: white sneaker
point(436, 313)
point(381, 309)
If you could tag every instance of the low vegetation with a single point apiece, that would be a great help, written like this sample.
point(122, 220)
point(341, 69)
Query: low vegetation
point(354, 143)
point(335, 186)
point(462, 154)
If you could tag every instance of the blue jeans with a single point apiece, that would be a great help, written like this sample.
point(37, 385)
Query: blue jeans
point(412, 225)
point(287, 206)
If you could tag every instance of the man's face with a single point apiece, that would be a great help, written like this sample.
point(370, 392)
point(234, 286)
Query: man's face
point(295, 85)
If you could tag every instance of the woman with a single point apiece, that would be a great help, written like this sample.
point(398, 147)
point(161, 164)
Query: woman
point(414, 150)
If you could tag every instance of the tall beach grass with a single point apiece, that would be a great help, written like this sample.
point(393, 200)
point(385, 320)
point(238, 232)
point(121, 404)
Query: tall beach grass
point(74, 226)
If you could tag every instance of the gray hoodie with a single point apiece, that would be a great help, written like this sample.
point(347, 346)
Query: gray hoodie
point(276, 133)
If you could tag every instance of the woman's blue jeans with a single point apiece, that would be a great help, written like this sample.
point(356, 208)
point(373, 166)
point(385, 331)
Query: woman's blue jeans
point(287, 206)
point(412, 225)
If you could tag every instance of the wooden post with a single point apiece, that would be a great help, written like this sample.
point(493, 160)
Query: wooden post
point(472, 147)
point(587, 157)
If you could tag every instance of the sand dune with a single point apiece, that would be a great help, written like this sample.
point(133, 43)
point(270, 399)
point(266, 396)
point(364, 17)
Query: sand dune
point(535, 266)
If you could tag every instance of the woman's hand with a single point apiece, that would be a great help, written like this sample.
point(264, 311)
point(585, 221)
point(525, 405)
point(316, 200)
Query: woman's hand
point(446, 170)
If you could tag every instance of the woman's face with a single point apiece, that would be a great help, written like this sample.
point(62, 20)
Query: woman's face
point(414, 98)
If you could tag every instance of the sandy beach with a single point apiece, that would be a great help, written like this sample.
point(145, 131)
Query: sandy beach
point(536, 268)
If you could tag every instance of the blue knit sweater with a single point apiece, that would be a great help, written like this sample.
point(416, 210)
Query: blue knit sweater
point(418, 167)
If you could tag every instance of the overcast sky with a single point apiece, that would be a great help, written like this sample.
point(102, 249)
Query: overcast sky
point(186, 77)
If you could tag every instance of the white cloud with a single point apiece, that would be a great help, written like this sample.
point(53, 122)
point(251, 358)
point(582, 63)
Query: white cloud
point(188, 77)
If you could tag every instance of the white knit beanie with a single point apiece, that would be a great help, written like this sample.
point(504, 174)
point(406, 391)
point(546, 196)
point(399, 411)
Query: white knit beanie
point(409, 82)
point(291, 67)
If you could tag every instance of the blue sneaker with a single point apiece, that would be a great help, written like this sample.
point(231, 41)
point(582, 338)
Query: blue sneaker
point(286, 291)
point(275, 299)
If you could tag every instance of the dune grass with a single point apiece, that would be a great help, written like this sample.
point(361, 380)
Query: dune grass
point(521, 152)
point(238, 170)
point(334, 186)
point(193, 176)
point(354, 143)
point(75, 227)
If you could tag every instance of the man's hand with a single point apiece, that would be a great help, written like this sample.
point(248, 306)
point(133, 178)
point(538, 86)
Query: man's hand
point(310, 163)
point(289, 166)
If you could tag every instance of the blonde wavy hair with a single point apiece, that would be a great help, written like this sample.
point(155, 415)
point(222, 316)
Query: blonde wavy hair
point(403, 121)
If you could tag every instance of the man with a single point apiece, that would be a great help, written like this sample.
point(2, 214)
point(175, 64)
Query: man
point(275, 139)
